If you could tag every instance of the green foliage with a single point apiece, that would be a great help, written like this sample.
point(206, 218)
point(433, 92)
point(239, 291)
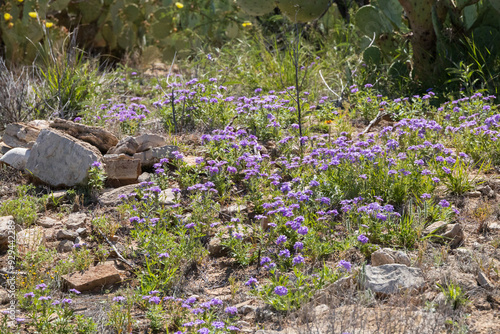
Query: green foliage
point(299, 287)
point(85, 325)
point(25, 207)
point(42, 307)
point(120, 315)
point(96, 178)
point(451, 31)
point(69, 82)
point(454, 295)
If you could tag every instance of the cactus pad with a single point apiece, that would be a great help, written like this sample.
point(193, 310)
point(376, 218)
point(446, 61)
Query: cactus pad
point(370, 19)
point(303, 10)
point(256, 7)
point(372, 55)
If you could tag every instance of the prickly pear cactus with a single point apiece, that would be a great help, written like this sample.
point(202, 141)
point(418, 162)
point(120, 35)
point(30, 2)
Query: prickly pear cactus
point(370, 20)
point(303, 10)
point(116, 26)
point(257, 7)
point(372, 55)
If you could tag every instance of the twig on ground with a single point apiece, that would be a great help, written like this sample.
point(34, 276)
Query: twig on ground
point(375, 121)
point(120, 257)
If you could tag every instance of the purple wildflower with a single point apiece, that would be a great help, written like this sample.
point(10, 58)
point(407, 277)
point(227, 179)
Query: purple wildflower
point(280, 290)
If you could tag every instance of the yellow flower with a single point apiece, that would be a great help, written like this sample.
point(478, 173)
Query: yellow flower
point(20, 0)
point(49, 24)
point(7, 17)
point(33, 14)
point(246, 24)
point(179, 5)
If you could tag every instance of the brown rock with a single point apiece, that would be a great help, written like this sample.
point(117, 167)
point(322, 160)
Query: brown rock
point(20, 135)
point(39, 123)
point(76, 220)
point(473, 194)
point(443, 232)
point(121, 169)
point(4, 296)
point(435, 228)
point(66, 235)
point(65, 246)
point(388, 256)
point(216, 248)
point(99, 137)
point(380, 257)
point(127, 145)
point(94, 277)
point(483, 281)
point(454, 234)
point(48, 222)
point(148, 141)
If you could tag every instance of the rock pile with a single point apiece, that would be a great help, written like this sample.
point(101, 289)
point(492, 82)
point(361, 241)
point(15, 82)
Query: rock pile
point(61, 152)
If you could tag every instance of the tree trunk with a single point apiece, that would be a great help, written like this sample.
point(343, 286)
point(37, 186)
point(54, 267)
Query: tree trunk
point(423, 39)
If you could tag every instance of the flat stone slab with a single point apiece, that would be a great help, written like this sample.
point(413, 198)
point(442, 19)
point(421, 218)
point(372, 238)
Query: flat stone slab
point(393, 278)
point(48, 222)
point(94, 277)
point(111, 197)
point(76, 220)
point(20, 135)
point(96, 136)
point(150, 157)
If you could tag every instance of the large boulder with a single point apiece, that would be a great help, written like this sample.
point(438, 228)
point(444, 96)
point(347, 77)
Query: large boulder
point(20, 135)
point(61, 160)
point(99, 137)
point(121, 169)
point(16, 158)
point(392, 278)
